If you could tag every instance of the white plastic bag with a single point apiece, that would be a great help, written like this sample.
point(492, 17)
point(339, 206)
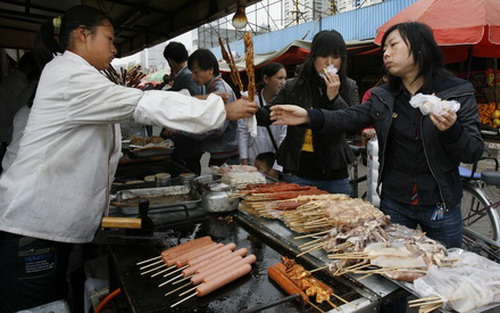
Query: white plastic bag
point(372, 171)
point(473, 282)
point(432, 104)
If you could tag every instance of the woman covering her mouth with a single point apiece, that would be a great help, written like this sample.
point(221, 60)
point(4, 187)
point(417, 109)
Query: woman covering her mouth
point(308, 157)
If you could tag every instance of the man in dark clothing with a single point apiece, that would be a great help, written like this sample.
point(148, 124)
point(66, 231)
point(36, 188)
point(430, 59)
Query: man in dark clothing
point(187, 151)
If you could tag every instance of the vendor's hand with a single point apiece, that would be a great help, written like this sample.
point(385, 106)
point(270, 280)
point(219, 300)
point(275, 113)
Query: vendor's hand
point(445, 121)
point(240, 108)
point(169, 132)
point(332, 82)
point(225, 96)
point(288, 114)
point(244, 162)
point(369, 133)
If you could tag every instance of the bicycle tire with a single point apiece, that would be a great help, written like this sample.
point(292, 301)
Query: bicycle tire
point(478, 222)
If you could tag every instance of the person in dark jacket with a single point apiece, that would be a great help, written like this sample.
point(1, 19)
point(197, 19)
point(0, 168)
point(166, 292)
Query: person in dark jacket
point(419, 154)
point(309, 157)
point(187, 150)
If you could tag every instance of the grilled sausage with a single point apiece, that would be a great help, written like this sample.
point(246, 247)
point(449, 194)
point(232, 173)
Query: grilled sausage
point(182, 260)
point(285, 282)
point(223, 280)
point(240, 252)
point(186, 245)
point(250, 259)
point(198, 278)
point(203, 257)
point(193, 268)
point(170, 258)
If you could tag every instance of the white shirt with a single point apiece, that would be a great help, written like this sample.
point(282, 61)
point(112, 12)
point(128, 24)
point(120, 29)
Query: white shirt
point(250, 147)
point(58, 186)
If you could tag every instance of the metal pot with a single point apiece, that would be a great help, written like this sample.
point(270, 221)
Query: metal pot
point(215, 198)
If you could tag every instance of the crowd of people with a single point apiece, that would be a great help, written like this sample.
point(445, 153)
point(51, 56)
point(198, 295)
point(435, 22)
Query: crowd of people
point(59, 105)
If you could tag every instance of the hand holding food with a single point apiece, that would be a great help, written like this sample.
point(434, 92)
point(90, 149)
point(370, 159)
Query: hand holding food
point(287, 114)
point(445, 121)
point(239, 109)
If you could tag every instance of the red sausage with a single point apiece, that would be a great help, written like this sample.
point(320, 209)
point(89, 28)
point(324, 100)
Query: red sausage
point(170, 259)
point(203, 257)
point(240, 252)
point(193, 268)
point(222, 280)
point(182, 260)
point(285, 282)
point(198, 278)
point(186, 245)
point(248, 260)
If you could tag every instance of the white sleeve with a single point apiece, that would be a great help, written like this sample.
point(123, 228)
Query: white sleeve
point(95, 99)
point(185, 113)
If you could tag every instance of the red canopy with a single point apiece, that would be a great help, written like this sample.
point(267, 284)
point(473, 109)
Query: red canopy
point(458, 26)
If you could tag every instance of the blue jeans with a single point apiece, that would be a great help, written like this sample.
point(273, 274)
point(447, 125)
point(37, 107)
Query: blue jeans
point(332, 186)
point(449, 230)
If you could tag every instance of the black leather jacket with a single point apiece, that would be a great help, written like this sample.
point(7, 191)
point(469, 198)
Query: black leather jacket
point(337, 153)
point(444, 151)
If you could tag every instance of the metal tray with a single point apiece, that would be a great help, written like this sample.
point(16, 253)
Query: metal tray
point(166, 198)
point(247, 293)
point(151, 152)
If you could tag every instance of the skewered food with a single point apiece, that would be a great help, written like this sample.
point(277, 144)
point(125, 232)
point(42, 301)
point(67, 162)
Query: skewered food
point(235, 75)
point(250, 67)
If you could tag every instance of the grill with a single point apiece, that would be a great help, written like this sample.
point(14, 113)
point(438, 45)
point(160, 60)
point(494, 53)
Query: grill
point(246, 294)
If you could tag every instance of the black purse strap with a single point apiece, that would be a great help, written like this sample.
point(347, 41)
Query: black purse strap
point(261, 102)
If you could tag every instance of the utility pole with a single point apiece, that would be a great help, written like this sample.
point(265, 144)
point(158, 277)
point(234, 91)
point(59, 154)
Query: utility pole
point(297, 11)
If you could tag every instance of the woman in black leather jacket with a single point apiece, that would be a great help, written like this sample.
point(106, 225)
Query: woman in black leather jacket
point(419, 154)
point(308, 157)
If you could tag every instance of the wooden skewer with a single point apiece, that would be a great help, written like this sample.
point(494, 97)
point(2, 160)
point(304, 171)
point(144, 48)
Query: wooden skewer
point(179, 281)
point(332, 304)
point(432, 298)
point(310, 243)
point(307, 251)
point(177, 270)
point(154, 269)
point(161, 272)
point(177, 289)
point(180, 295)
point(319, 269)
point(174, 278)
point(149, 260)
point(179, 302)
point(345, 301)
point(316, 307)
point(151, 264)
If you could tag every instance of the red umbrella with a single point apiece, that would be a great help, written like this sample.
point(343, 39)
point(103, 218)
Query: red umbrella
point(458, 26)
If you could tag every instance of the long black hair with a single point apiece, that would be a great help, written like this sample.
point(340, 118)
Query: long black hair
point(269, 70)
point(425, 51)
point(45, 46)
point(324, 44)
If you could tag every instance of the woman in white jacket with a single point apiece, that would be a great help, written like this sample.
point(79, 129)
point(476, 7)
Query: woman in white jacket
point(269, 138)
point(57, 189)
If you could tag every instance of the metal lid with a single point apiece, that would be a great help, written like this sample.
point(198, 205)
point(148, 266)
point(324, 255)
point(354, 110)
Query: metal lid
point(219, 187)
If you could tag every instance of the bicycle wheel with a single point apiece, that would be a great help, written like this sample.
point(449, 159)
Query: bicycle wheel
point(478, 221)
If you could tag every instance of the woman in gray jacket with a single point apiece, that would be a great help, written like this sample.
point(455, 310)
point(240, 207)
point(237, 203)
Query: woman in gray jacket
point(308, 157)
point(419, 154)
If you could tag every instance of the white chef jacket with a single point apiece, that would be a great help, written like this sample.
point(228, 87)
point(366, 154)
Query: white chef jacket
point(58, 186)
point(250, 147)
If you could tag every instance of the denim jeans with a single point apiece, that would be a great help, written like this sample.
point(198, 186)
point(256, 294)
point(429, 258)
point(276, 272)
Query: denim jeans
point(448, 230)
point(332, 186)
